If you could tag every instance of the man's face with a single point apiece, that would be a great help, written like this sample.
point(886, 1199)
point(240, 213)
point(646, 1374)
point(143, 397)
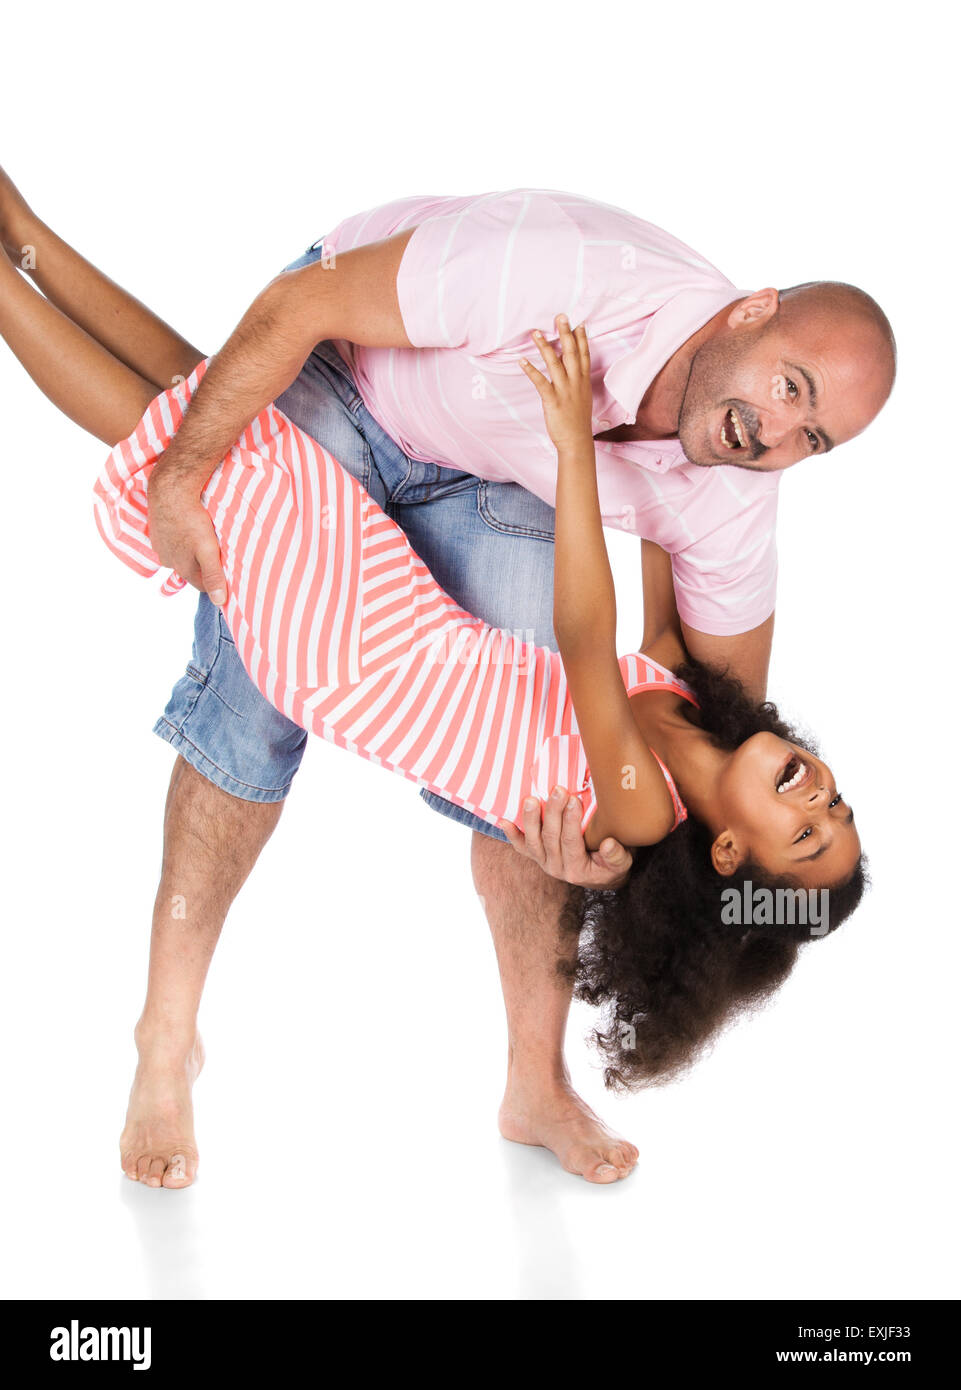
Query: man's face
point(765, 394)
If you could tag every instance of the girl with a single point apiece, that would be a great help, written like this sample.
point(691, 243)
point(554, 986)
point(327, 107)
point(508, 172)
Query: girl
point(343, 628)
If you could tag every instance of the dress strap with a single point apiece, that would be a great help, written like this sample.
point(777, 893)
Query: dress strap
point(680, 810)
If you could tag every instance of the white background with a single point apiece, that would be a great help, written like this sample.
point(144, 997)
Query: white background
point(346, 1117)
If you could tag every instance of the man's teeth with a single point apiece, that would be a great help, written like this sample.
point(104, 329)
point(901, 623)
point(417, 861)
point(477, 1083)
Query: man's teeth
point(798, 776)
point(731, 420)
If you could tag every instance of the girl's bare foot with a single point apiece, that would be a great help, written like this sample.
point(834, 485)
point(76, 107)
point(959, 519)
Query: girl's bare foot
point(157, 1146)
point(554, 1117)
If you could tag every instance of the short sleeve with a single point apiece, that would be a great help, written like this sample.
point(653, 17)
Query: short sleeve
point(726, 583)
point(481, 277)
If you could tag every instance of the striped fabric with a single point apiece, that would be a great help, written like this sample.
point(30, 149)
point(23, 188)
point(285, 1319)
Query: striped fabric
point(343, 628)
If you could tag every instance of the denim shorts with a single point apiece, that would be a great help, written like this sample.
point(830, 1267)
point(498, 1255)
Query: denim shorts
point(490, 545)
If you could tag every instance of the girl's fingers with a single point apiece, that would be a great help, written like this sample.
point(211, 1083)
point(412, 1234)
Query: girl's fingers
point(549, 356)
point(538, 378)
point(569, 349)
point(573, 362)
point(584, 352)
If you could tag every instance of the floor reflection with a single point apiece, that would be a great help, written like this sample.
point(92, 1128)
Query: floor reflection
point(546, 1260)
point(169, 1233)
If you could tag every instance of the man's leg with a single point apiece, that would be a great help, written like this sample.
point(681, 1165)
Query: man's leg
point(238, 757)
point(524, 908)
point(211, 843)
point(491, 547)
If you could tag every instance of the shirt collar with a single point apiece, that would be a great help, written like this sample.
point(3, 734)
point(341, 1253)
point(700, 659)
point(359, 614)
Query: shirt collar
point(667, 329)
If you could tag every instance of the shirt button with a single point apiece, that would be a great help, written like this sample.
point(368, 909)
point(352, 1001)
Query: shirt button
point(604, 424)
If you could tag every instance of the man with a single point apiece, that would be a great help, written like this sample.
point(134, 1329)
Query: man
point(395, 343)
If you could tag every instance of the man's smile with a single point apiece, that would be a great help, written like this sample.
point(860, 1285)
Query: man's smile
point(733, 433)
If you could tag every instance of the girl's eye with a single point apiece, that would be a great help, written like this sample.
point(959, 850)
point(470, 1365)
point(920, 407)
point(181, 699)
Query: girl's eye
point(791, 388)
point(813, 440)
point(838, 798)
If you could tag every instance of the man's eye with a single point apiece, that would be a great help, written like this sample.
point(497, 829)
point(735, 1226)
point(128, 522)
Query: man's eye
point(791, 388)
point(837, 800)
point(803, 835)
point(813, 440)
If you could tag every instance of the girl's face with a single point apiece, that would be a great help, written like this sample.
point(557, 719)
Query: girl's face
point(780, 807)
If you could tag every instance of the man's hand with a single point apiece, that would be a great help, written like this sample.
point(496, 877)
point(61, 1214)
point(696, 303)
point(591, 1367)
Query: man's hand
point(182, 533)
point(557, 844)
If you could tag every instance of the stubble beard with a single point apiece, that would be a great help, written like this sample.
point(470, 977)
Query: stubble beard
point(699, 397)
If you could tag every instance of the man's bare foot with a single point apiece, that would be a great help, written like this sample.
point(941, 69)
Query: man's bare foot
point(157, 1146)
point(554, 1117)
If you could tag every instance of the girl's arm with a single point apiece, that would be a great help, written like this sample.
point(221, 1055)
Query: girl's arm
point(633, 802)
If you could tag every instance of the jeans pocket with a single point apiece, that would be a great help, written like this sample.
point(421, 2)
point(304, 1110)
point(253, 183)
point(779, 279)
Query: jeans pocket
point(338, 374)
point(512, 510)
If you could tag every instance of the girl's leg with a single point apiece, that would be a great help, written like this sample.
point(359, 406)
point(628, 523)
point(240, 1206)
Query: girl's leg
point(76, 372)
point(111, 316)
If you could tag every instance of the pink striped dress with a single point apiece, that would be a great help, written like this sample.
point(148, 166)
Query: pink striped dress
point(344, 629)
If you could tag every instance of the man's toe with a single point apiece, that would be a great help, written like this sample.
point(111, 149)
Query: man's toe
point(180, 1171)
point(155, 1171)
point(602, 1172)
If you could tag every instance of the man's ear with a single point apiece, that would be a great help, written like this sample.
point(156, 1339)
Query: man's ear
point(757, 309)
point(726, 855)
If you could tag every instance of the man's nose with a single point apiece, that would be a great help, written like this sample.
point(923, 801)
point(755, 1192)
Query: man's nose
point(817, 796)
point(774, 425)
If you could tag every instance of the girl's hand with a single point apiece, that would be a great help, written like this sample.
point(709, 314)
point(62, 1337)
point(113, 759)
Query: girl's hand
point(566, 397)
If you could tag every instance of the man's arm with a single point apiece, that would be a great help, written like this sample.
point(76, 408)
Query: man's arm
point(746, 655)
point(354, 297)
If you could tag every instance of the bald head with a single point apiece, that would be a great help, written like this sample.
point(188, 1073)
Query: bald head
point(840, 308)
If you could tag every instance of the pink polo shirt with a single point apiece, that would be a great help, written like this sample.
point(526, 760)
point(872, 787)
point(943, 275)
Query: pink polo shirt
point(478, 274)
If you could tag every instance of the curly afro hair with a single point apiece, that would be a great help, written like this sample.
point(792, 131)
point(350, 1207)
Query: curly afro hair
point(656, 952)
